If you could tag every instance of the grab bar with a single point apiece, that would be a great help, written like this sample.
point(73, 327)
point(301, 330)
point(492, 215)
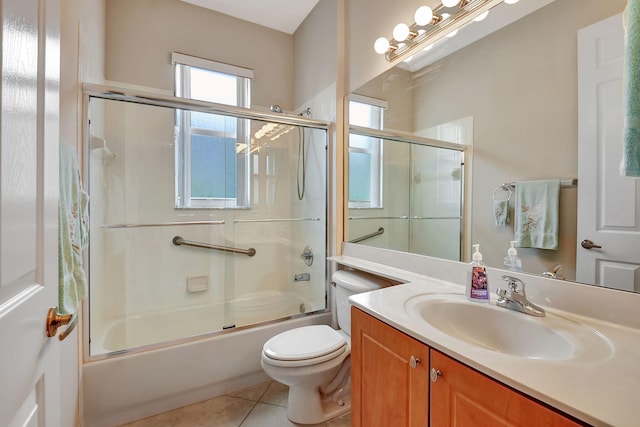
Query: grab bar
point(180, 241)
point(368, 236)
point(162, 224)
point(241, 221)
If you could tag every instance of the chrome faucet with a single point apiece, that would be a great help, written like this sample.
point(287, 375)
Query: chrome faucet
point(553, 273)
point(515, 298)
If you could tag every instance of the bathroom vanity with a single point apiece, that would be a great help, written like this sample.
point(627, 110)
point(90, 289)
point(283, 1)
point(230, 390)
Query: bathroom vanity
point(391, 373)
point(422, 354)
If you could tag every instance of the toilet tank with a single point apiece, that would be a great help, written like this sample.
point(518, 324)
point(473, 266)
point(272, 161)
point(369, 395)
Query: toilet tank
point(350, 283)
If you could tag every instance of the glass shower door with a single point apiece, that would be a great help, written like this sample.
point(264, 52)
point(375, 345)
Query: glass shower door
point(169, 260)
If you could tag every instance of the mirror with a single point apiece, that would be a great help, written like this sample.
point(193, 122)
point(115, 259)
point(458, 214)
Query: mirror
point(393, 214)
point(516, 89)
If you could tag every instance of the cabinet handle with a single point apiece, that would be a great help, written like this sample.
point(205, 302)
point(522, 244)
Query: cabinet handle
point(435, 373)
point(413, 361)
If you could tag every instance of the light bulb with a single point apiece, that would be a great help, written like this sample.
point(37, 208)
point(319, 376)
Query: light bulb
point(401, 32)
point(481, 17)
point(511, 1)
point(451, 3)
point(423, 15)
point(381, 45)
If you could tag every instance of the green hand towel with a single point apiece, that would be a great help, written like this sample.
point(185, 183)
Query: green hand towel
point(630, 165)
point(73, 234)
point(536, 214)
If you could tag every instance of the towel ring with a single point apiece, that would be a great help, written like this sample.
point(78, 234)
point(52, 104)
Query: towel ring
point(505, 188)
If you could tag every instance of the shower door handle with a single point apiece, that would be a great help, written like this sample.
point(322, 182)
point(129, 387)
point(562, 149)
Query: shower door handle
point(55, 320)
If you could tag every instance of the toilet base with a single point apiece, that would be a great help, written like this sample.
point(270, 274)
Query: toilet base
point(307, 407)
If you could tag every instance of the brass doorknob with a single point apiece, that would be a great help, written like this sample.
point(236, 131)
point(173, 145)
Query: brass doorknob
point(55, 320)
point(588, 244)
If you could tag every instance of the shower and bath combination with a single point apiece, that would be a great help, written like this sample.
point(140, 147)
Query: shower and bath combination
point(146, 293)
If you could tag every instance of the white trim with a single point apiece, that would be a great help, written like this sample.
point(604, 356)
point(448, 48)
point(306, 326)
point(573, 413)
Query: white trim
point(382, 103)
point(207, 64)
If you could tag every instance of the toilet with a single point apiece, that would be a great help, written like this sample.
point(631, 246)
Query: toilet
point(314, 360)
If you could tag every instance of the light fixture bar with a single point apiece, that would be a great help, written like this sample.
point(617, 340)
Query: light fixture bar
point(439, 28)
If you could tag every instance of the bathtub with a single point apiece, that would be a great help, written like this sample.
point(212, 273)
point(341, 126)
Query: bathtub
point(139, 384)
point(166, 326)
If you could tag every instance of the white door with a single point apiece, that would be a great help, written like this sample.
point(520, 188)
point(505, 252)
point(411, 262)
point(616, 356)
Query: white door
point(29, 361)
point(608, 204)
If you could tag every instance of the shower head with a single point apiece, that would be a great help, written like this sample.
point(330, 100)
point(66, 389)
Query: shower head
point(276, 108)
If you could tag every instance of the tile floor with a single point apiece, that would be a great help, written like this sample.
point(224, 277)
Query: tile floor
point(262, 405)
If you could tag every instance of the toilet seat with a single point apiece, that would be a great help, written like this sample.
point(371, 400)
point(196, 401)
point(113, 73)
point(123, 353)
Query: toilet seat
point(303, 346)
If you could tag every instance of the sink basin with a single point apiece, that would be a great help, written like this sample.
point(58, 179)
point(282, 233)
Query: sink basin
point(506, 331)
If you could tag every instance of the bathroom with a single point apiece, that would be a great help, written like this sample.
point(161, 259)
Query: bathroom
point(117, 43)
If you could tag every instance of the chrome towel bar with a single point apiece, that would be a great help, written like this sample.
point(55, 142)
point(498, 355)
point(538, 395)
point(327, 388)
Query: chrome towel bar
point(162, 224)
point(242, 221)
point(178, 241)
point(379, 217)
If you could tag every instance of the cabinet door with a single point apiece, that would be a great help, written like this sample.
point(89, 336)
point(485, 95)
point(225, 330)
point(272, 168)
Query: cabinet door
point(463, 397)
point(387, 390)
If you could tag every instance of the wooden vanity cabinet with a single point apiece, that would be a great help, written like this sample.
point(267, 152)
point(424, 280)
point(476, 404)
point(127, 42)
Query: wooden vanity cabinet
point(389, 389)
point(386, 389)
point(461, 396)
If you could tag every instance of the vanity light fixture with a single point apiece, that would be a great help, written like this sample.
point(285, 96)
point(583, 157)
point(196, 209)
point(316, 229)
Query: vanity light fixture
point(432, 25)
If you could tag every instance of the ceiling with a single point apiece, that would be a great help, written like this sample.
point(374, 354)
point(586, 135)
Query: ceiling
point(281, 15)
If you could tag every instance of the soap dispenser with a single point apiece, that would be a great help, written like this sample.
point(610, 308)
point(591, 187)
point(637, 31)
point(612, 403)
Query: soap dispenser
point(477, 281)
point(511, 261)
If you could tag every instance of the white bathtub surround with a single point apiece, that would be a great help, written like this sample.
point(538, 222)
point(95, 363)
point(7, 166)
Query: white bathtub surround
point(600, 386)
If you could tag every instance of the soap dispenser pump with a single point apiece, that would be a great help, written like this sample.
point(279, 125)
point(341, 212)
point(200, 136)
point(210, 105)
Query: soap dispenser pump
point(511, 261)
point(477, 281)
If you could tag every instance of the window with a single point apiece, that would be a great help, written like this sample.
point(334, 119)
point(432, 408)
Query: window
point(365, 154)
point(211, 171)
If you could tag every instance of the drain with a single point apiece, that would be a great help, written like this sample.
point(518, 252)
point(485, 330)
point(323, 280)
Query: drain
point(303, 309)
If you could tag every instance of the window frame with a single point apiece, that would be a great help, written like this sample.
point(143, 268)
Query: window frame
point(183, 64)
point(376, 153)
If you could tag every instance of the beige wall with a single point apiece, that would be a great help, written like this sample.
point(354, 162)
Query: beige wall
point(141, 35)
point(520, 86)
point(315, 50)
point(396, 87)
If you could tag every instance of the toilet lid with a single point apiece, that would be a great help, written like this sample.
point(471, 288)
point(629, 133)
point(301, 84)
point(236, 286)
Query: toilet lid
point(307, 342)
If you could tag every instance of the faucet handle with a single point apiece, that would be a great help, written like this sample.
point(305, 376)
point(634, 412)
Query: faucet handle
point(515, 285)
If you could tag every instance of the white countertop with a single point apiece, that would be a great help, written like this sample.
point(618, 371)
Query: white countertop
point(602, 387)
